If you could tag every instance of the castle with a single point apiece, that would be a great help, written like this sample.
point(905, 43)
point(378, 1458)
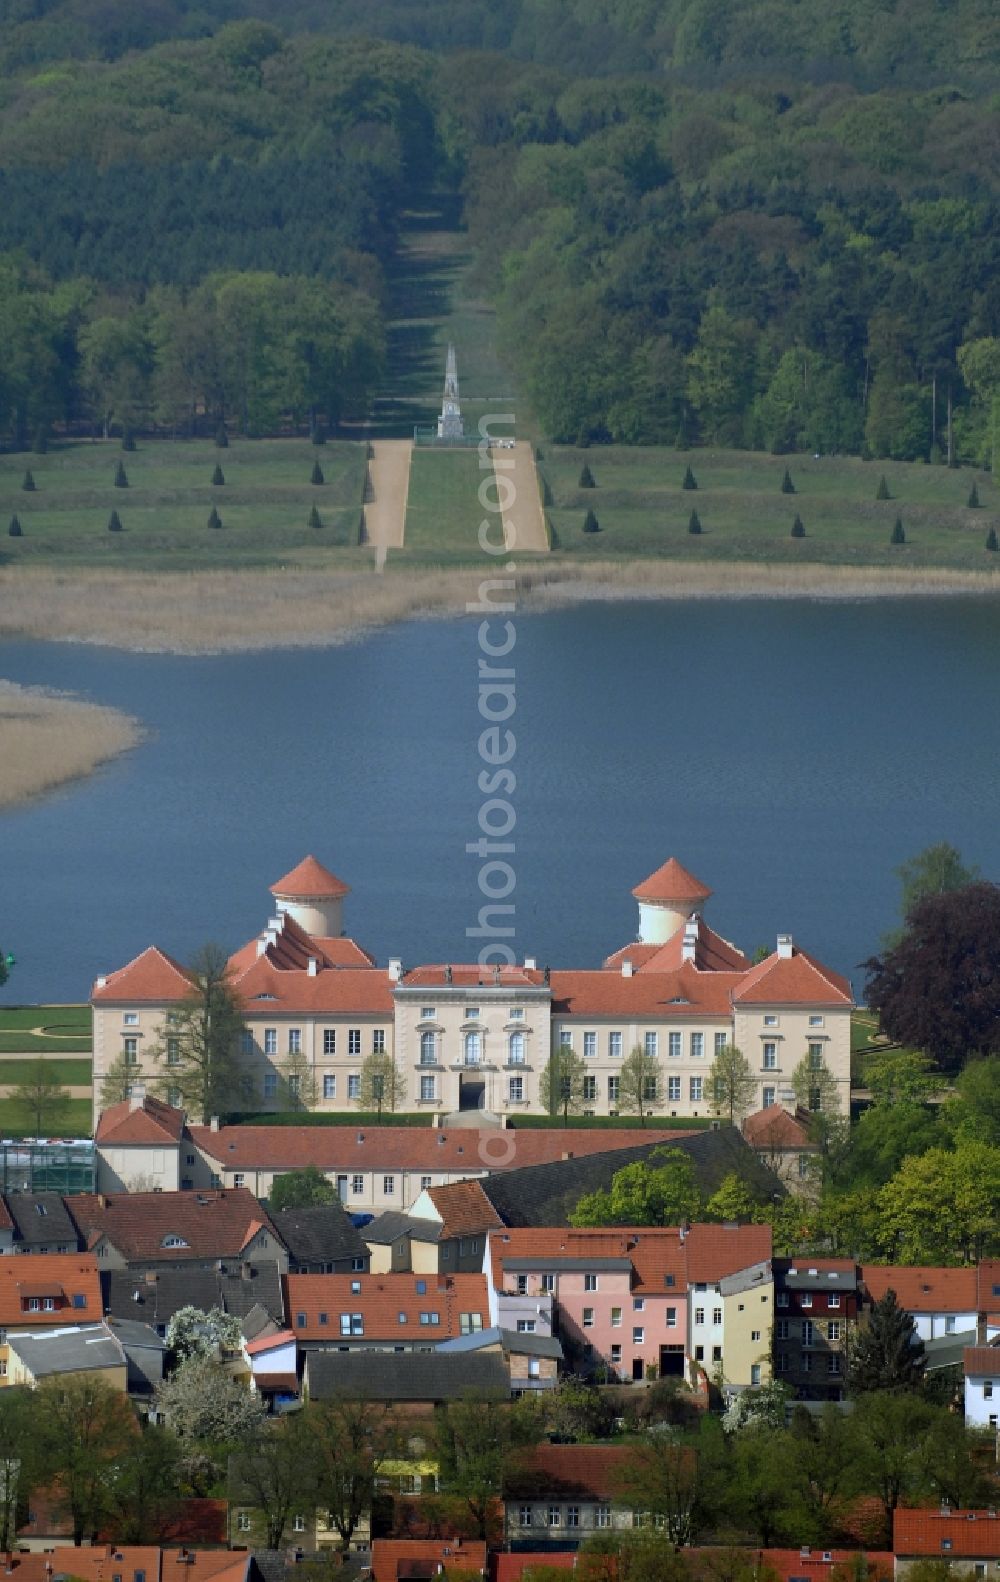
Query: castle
point(462, 1037)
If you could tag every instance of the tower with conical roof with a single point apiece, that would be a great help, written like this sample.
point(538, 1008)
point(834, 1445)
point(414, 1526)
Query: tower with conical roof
point(313, 897)
point(666, 900)
point(450, 421)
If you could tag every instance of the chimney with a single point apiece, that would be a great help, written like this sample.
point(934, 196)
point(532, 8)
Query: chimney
point(395, 969)
point(137, 1097)
point(150, 1277)
point(313, 967)
point(530, 963)
point(567, 1153)
point(627, 968)
point(213, 1124)
point(102, 1201)
point(785, 947)
point(262, 944)
point(102, 982)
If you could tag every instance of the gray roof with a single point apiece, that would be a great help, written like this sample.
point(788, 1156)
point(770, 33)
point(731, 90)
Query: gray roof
point(402, 1376)
point(68, 1350)
point(155, 1302)
point(799, 1279)
point(568, 1265)
point(258, 1322)
point(547, 1194)
point(745, 1279)
point(946, 1351)
point(323, 1234)
point(388, 1227)
point(41, 1217)
point(508, 1339)
point(133, 1333)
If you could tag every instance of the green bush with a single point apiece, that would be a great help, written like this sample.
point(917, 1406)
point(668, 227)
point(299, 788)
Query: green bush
point(586, 480)
point(694, 523)
point(317, 474)
point(991, 537)
point(114, 523)
point(28, 482)
point(798, 531)
point(787, 486)
point(690, 481)
point(883, 492)
point(898, 536)
point(315, 520)
point(591, 524)
point(121, 476)
point(973, 500)
point(128, 440)
point(15, 528)
point(214, 519)
point(218, 476)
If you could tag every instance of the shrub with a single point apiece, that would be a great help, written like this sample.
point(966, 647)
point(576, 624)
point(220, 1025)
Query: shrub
point(586, 478)
point(214, 519)
point(317, 474)
point(898, 536)
point(973, 500)
point(690, 481)
point(798, 531)
point(128, 440)
point(315, 520)
point(221, 437)
point(15, 528)
point(991, 537)
point(218, 476)
point(317, 434)
point(882, 492)
point(591, 524)
point(114, 523)
point(121, 476)
point(40, 443)
point(694, 523)
point(787, 486)
point(28, 482)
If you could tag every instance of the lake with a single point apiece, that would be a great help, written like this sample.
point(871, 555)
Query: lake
point(791, 755)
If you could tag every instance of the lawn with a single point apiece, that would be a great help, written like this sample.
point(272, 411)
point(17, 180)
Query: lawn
point(443, 512)
point(264, 503)
point(69, 1026)
point(623, 1123)
point(71, 1073)
point(77, 1119)
point(316, 1118)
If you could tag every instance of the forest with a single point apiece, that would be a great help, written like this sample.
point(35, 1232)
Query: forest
point(772, 226)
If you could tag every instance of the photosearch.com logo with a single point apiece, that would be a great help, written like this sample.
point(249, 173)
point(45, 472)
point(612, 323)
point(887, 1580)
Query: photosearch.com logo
point(495, 845)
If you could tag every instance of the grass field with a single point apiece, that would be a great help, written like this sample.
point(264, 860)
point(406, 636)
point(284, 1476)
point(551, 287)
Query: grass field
point(69, 1025)
point(264, 503)
point(77, 1119)
point(443, 512)
point(71, 1073)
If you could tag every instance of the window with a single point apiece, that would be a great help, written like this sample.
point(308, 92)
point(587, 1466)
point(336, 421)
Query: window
point(588, 1318)
point(590, 1282)
point(616, 1352)
point(699, 1315)
point(614, 1046)
point(695, 1090)
point(243, 1521)
point(572, 1516)
point(428, 1049)
point(721, 1042)
point(357, 1185)
point(294, 1086)
point(354, 1041)
point(515, 1090)
point(555, 1516)
point(717, 1315)
point(770, 1021)
point(388, 1186)
point(815, 1021)
point(833, 1300)
point(548, 1283)
point(781, 1329)
point(516, 1013)
point(329, 1086)
point(239, 1179)
point(521, 1284)
point(673, 1090)
point(755, 1334)
point(427, 1013)
point(270, 1040)
point(470, 1323)
point(673, 1046)
point(767, 1098)
point(427, 1090)
point(781, 1300)
point(299, 1524)
point(425, 1182)
point(807, 1332)
point(295, 1040)
point(173, 1240)
point(270, 1084)
point(671, 1318)
point(565, 1038)
point(697, 1046)
point(131, 1050)
point(699, 1353)
point(378, 1040)
point(473, 1049)
point(300, 1321)
point(352, 1323)
point(515, 1049)
point(602, 1516)
point(616, 1318)
point(472, 1013)
point(329, 1040)
point(815, 1057)
point(589, 1047)
point(246, 1042)
point(526, 1326)
point(358, 1265)
point(806, 1300)
point(589, 1090)
point(716, 1353)
point(524, 1515)
point(354, 1086)
point(833, 1363)
point(638, 1335)
point(988, 1390)
point(651, 1045)
point(324, 1318)
point(638, 1304)
point(613, 1090)
point(649, 1090)
point(833, 1329)
point(770, 1059)
point(949, 1324)
point(754, 1373)
point(946, 1543)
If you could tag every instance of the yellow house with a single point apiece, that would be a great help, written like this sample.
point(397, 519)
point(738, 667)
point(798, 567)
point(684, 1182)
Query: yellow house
point(42, 1291)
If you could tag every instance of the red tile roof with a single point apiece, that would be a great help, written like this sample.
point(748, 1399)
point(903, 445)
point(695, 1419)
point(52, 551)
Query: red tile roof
point(265, 1343)
point(511, 1568)
point(819, 1564)
point(59, 1275)
point(464, 975)
point(655, 995)
point(152, 1121)
point(464, 1208)
point(715, 1251)
point(265, 987)
point(424, 1149)
point(588, 1472)
point(969, 1535)
point(212, 1224)
point(988, 1273)
point(653, 1254)
point(924, 1290)
point(776, 1128)
point(292, 947)
point(309, 881)
point(671, 883)
point(391, 1557)
point(151, 978)
point(381, 1300)
point(798, 979)
point(981, 1360)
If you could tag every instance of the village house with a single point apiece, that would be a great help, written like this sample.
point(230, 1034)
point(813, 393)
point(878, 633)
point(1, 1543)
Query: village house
point(463, 1036)
point(969, 1540)
point(981, 1385)
point(79, 1351)
point(153, 1296)
point(532, 1361)
point(153, 1230)
point(46, 1291)
point(560, 1495)
point(413, 1559)
point(940, 1301)
point(383, 1312)
point(412, 1384)
point(816, 1306)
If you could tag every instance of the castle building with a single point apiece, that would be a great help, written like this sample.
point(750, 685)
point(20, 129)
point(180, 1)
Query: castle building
point(316, 1006)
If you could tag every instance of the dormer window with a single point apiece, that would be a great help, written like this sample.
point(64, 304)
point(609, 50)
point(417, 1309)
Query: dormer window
point(173, 1240)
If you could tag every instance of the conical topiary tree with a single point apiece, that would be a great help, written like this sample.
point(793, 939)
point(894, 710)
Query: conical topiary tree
point(973, 500)
point(221, 437)
point(694, 523)
point(787, 486)
point(214, 519)
point(114, 523)
point(591, 524)
point(15, 528)
point(40, 443)
point(128, 440)
point(885, 1354)
point(317, 474)
point(586, 479)
point(882, 492)
point(798, 531)
point(315, 520)
point(28, 481)
point(991, 538)
point(690, 481)
point(121, 476)
point(218, 476)
point(317, 433)
point(898, 536)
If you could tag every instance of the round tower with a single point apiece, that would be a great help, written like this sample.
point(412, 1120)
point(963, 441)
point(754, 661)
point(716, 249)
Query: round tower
point(666, 900)
point(313, 897)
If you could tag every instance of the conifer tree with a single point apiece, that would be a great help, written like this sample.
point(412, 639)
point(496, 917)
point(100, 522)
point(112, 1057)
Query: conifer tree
point(317, 474)
point(586, 478)
point(798, 531)
point(221, 437)
point(15, 528)
point(973, 500)
point(882, 492)
point(214, 519)
point(114, 523)
point(218, 476)
point(128, 440)
point(787, 486)
point(885, 1354)
point(690, 481)
point(315, 520)
point(591, 524)
point(898, 536)
point(28, 482)
point(991, 538)
point(121, 476)
point(694, 523)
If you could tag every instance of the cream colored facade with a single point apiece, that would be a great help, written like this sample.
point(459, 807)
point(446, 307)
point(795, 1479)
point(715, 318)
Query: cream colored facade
point(729, 1326)
point(460, 1042)
point(777, 1038)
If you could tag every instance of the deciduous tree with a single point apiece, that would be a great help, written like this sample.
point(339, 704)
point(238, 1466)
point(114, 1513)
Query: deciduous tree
point(203, 1404)
point(40, 1103)
point(382, 1086)
point(561, 1082)
point(732, 1086)
point(305, 1188)
point(199, 1054)
point(640, 1084)
point(85, 1428)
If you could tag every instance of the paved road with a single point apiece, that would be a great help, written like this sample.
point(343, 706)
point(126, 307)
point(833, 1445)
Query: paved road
point(385, 507)
point(524, 522)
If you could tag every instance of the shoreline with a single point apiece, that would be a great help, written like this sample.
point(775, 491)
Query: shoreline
point(48, 739)
point(242, 611)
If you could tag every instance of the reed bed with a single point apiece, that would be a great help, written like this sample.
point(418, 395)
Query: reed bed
point(47, 738)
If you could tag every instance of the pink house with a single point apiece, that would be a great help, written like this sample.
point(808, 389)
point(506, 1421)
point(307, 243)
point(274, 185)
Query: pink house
point(617, 1297)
